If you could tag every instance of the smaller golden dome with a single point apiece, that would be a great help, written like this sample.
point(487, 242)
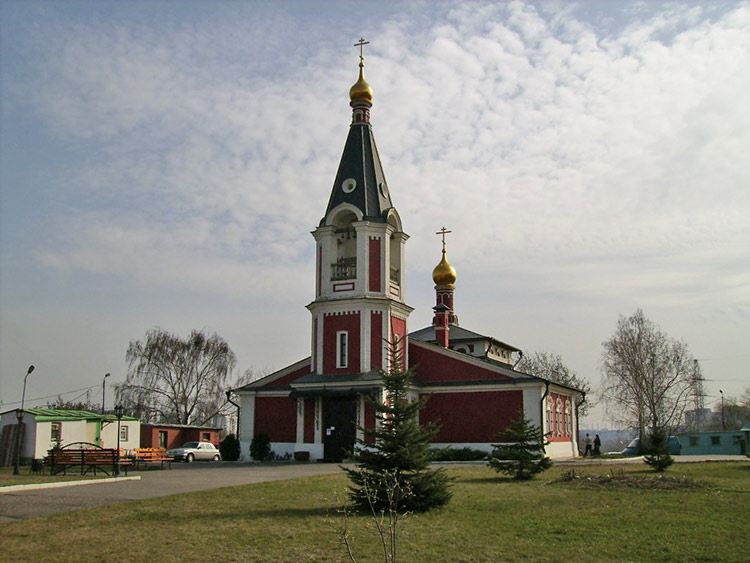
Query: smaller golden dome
point(444, 273)
point(361, 91)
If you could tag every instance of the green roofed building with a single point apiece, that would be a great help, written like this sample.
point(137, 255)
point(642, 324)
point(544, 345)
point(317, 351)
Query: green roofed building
point(43, 429)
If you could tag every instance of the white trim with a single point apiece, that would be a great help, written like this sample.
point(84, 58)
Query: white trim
point(300, 420)
point(360, 435)
point(318, 430)
point(365, 326)
point(341, 207)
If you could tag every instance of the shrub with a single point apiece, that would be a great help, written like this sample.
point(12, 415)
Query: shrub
point(523, 453)
point(260, 447)
point(459, 454)
point(230, 448)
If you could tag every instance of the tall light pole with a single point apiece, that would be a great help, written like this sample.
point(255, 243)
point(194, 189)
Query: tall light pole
point(118, 412)
point(723, 422)
point(19, 414)
point(104, 386)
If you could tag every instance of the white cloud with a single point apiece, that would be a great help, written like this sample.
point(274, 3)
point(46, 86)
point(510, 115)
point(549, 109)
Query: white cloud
point(595, 153)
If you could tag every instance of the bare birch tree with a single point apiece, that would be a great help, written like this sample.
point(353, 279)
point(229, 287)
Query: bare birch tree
point(647, 376)
point(552, 368)
point(175, 380)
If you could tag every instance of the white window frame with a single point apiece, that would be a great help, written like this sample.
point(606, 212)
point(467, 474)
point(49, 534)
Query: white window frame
point(342, 349)
point(568, 418)
point(559, 416)
point(124, 432)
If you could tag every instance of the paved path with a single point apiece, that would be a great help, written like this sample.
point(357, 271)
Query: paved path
point(183, 478)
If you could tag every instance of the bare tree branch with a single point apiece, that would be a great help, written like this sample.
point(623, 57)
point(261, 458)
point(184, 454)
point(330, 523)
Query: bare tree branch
point(176, 380)
point(648, 376)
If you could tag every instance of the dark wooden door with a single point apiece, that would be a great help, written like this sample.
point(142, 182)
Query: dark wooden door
point(339, 431)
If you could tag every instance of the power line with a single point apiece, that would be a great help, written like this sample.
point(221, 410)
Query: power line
point(730, 379)
point(740, 357)
point(55, 395)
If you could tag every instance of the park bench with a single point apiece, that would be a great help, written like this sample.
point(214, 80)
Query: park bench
point(84, 461)
point(152, 456)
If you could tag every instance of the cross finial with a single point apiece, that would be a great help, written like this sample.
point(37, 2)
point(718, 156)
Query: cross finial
point(361, 44)
point(443, 232)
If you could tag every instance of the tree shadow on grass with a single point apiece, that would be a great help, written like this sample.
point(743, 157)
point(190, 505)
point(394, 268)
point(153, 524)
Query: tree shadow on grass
point(493, 480)
point(250, 513)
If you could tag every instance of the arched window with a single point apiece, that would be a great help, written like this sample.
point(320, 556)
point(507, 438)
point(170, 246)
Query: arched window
point(568, 418)
point(550, 418)
point(559, 417)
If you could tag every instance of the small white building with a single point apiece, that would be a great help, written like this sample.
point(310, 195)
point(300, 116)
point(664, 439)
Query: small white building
point(45, 428)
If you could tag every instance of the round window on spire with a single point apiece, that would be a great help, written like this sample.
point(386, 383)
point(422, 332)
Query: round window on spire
point(349, 185)
point(383, 189)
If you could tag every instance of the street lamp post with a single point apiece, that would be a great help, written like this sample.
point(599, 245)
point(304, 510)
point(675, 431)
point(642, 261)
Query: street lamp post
point(118, 412)
point(19, 415)
point(104, 386)
point(723, 422)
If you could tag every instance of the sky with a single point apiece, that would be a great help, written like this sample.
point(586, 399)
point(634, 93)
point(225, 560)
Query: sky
point(162, 164)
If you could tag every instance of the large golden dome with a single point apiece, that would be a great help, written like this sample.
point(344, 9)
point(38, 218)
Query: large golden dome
point(361, 91)
point(444, 273)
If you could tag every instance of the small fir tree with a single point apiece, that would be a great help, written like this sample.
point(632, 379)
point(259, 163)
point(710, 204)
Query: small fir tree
point(522, 453)
point(396, 454)
point(657, 452)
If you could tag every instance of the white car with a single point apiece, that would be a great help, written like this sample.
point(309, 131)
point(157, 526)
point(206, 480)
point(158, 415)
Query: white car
point(195, 451)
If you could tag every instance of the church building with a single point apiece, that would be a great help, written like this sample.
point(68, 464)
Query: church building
point(317, 405)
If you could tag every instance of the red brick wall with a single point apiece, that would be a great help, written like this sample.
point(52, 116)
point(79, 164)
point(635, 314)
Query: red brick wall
point(438, 367)
point(471, 417)
point(304, 370)
point(277, 417)
point(375, 277)
point(175, 436)
point(398, 331)
point(369, 422)
point(376, 340)
point(331, 325)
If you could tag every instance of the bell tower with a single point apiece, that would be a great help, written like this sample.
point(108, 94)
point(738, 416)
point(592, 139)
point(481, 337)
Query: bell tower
point(359, 265)
point(444, 276)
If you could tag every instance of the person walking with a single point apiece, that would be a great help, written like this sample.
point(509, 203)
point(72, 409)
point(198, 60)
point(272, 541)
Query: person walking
point(588, 451)
point(597, 445)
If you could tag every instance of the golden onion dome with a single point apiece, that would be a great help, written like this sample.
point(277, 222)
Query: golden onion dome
point(444, 273)
point(361, 91)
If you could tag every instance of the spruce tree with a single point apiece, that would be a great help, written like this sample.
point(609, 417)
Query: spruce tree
point(522, 454)
point(658, 452)
point(392, 471)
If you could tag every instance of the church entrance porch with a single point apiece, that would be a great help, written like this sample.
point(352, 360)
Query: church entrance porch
point(340, 427)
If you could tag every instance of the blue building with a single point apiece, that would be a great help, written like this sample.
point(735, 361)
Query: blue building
point(735, 442)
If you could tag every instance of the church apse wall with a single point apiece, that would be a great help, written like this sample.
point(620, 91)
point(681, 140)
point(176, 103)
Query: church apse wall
point(471, 417)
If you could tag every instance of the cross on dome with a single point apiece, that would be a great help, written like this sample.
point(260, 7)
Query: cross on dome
point(361, 44)
point(444, 274)
point(443, 232)
point(361, 93)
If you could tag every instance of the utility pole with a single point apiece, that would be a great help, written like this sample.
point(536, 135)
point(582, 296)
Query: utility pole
point(104, 386)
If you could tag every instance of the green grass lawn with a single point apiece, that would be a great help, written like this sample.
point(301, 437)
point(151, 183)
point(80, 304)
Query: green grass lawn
point(489, 519)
